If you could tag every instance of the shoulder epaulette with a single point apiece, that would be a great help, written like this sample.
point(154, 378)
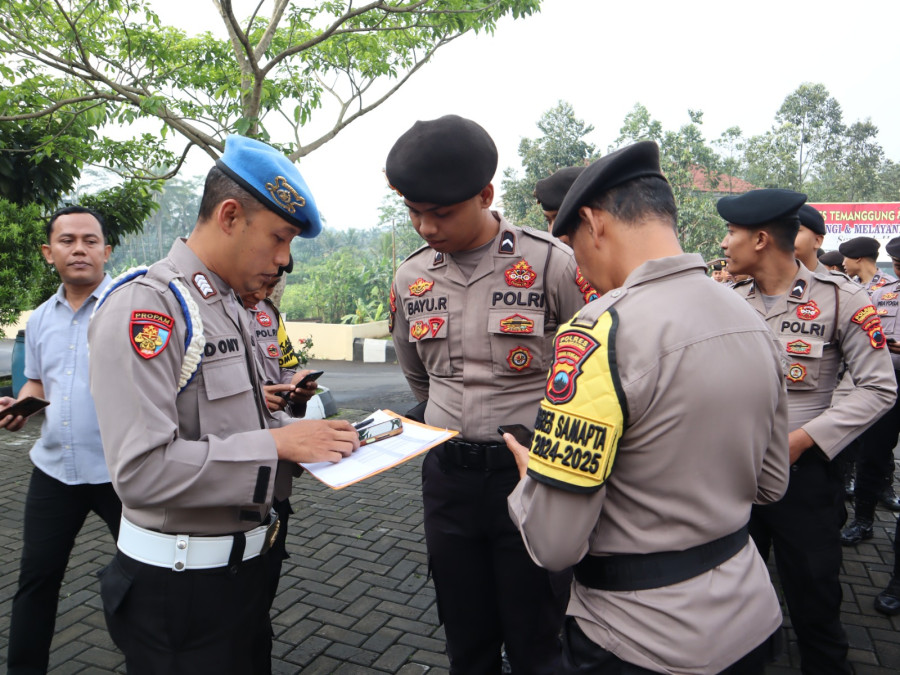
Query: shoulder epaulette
point(194, 340)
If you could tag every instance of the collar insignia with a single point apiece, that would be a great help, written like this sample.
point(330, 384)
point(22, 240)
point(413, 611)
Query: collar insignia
point(202, 284)
point(507, 243)
point(438, 258)
point(798, 289)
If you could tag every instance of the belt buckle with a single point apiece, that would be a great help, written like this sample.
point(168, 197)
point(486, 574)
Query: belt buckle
point(271, 535)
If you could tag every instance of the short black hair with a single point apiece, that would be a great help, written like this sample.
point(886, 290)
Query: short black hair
point(783, 232)
point(219, 187)
point(75, 208)
point(644, 196)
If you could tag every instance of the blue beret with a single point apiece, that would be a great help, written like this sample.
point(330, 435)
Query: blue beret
point(860, 247)
point(634, 161)
point(759, 207)
point(551, 191)
point(443, 161)
point(811, 218)
point(273, 179)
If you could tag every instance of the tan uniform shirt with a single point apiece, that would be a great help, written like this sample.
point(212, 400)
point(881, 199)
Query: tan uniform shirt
point(264, 321)
point(201, 461)
point(887, 300)
point(478, 349)
point(689, 464)
point(822, 320)
point(880, 279)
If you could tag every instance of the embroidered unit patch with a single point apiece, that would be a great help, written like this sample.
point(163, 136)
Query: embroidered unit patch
point(571, 350)
point(263, 319)
point(519, 358)
point(798, 347)
point(585, 287)
point(516, 324)
point(809, 311)
point(419, 330)
point(521, 275)
point(420, 287)
point(796, 372)
point(272, 350)
point(150, 332)
point(202, 284)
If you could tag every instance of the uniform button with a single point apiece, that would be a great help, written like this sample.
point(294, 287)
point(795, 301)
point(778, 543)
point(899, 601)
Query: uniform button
point(794, 467)
point(65, 424)
point(68, 372)
point(182, 544)
point(179, 565)
point(71, 346)
point(616, 293)
point(65, 398)
point(75, 322)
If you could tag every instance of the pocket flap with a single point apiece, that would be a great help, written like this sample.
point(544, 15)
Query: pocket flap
point(515, 322)
point(225, 377)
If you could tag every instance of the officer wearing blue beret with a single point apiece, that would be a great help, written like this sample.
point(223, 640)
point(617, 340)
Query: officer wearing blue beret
point(191, 447)
point(820, 320)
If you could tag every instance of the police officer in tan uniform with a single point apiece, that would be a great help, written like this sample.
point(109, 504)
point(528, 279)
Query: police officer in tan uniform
point(191, 448)
point(860, 262)
point(809, 239)
point(473, 314)
point(820, 321)
point(629, 478)
point(551, 191)
point(833, 261)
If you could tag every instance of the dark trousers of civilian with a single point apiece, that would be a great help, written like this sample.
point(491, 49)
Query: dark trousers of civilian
point(875, 461)
point(489, 591)
point(804, 531)
point(195, 621)
point(582, 656)
point(54, 514)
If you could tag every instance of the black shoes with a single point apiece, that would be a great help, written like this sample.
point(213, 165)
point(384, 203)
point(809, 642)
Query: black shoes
point(888, 499)
point(856, 532)
point(888, 601)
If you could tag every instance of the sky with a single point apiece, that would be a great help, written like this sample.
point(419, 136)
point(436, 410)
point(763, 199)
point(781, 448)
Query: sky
point(734, 61)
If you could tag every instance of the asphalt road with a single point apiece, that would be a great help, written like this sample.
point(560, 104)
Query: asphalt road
point(365, 386)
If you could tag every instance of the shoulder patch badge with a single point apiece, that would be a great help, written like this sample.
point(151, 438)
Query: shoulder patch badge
point(263, 319)
point(585, 287)
point(798, 289)
point(521, 275)
point(809, 311)
point(863, 315)
point(420, 287)
point(507, 243)
point(272, 350)
point(572, 348)
point(889, 296)
point(516, 324)
point(150, 332)
point(796, 372)
point(519, 358)
point(202, 284)
point(798, 347)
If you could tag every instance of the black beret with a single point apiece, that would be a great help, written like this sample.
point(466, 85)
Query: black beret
point(860, 247)
point(831, 259)
point(759, 207)
point(551, 191)
point(286, 269)
point(717, 264)
point(634, 161)
point(811, 218)
point(443, 161)
point(893, 247)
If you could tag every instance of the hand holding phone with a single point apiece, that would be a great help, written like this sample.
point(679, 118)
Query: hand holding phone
point(520, 432)
point(24, 408)
point(310, 377)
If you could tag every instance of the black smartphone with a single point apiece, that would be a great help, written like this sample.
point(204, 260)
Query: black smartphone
point(27, 406)
point(310, 377)
point(519, 431)
point(380, 431)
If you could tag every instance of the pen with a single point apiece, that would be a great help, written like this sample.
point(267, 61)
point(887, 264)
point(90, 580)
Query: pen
point(364, 423)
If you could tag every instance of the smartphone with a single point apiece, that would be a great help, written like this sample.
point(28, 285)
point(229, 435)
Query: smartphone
point(380, 431)
point(27, 406)
point(310, 377)
point(519, 431)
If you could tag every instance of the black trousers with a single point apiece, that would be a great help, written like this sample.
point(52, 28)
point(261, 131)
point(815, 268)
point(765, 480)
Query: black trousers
point(184, 623)
point(875, 461)
point(804, 531)
point(54, 514)
point(489, 591)
point(278, 553)
point(581, 656)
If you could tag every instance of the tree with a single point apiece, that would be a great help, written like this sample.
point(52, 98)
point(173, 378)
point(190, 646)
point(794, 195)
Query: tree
point(561, 145)
point(115, 60)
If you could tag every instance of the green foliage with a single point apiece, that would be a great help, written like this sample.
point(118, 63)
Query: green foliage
point(25, 278)
point(124, 207)
point(561, 145)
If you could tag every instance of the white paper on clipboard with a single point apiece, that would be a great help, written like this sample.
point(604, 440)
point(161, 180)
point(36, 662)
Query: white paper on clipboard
point(382, 455)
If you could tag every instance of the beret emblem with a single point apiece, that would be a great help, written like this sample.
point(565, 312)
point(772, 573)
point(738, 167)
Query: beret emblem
point(285, 195)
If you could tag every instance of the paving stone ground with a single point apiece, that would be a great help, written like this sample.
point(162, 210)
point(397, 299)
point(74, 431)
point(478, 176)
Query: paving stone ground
point(354, 597)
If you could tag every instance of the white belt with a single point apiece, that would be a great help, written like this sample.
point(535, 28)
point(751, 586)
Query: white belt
point(181, 552)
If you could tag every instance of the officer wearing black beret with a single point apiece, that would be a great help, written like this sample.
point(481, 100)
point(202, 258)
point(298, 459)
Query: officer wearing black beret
point(473, 315)
point(551, 191)
point(833, 261)
point(860, 262)
point(820, 320)
point(809, 238)
point(719, 273)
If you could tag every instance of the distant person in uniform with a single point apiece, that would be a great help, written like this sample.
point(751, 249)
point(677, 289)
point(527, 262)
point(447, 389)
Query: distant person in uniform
point(629, 476)
point(810, 236)
point(833, 261)
point(551, 191)
point(820, 320)
point(69, 479)
point(860, 256)
point(719, 272)
point(875, 459)
point(473, 315)
point(191, 447)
